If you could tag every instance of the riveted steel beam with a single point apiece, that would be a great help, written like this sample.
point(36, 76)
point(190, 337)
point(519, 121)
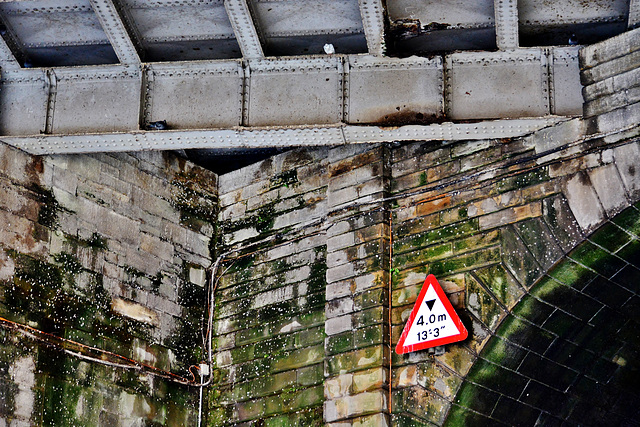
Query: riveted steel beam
point(506, 24)
point(372, 12)
point(393, 90)
point(25, 96)
point(174, 93)
point(298, 91)
point(7, 60)
point(634, 14)
point(244, 28)
point(497, 84)
point(565, 89)
point(274, 137)
point(8, 41)
point(122, 37)
point(294, 91)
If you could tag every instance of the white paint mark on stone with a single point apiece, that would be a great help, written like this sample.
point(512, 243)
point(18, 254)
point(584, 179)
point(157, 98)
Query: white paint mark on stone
point(22, 373)
point(134, 311)
point(290, 327)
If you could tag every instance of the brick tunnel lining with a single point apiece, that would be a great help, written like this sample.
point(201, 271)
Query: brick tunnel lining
point(569, 350)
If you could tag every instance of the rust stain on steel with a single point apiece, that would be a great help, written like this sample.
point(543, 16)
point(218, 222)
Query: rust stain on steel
point(403, 29)
point(408, 117)
point(353, 163)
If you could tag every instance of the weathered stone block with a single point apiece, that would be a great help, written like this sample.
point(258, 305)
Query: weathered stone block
point(339, 289)
point(377, 420)
point(595, 54)
point(558, 217)
point(349, 406)
point(584, 202)
point(501, 284)
point(482, 305)
point(341, 272)
point(370, 280)
point(610, 68)
point(369, 380)
point(134, 311)
point(556, 136)
point(626, 161)
point(609, 188)
point(540, 241)
point(355, 176)
point(354, 193)
point(310, 375)
point(518, 260)
point(613, 101)
point(339, 386)
point(338, 324)
point(299, 358)
point(336, 308)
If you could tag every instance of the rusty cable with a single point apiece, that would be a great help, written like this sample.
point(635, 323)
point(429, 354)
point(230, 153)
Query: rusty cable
point(38, 335)
point(34, 333)
point(389, 314)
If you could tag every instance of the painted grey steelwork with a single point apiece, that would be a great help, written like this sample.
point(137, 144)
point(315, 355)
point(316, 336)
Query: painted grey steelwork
point(168, 86)
point(352, 89)
point(483, 85)
point(244, 28)
point(56, 32)
point(506, 23)
point(372, 12)
point(634, 14)
point(7, 59)
point(270, 137)
point(210, 65)
point(114, 25)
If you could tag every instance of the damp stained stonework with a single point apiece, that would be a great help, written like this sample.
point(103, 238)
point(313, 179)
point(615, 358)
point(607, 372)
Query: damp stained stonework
point(562, 341)
point(193, 195)
point(95, 242)
point(45, 293)
point(50, 209)
point(186, 339)
point(284, 179)
point(272, 343)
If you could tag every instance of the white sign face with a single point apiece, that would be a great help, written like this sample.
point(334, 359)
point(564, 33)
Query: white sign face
point(431, 322)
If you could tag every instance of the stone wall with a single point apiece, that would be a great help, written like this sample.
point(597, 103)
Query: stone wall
point(489, 218)
point(108, 251)
point(610, 74)
point(323, 253)
point(567, 352)
point(270, 302)
point(302, 319)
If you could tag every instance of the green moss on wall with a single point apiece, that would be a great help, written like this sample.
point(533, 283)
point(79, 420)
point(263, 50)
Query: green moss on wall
point(317, 281)
point(194, 193)
point(284, 179)
point(60, 402)
point(186, 338)
point(96, 241)
point(48, 214)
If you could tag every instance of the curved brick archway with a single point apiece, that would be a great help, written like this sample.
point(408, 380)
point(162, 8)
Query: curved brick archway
point(488, 246)
point(568, 351)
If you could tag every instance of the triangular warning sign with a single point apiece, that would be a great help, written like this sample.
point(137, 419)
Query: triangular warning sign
point(432, 322)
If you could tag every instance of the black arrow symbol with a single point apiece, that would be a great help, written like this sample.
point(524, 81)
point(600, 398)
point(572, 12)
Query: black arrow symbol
point(430, 304)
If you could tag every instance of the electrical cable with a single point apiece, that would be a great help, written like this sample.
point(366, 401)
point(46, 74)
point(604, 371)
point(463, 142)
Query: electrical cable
point(50, 340)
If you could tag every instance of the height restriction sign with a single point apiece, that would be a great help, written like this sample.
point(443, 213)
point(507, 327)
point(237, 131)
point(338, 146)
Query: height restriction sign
point(432, 322)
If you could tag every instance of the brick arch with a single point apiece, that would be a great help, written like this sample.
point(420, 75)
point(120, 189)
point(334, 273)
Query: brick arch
point(568, 350)
point(489, 248)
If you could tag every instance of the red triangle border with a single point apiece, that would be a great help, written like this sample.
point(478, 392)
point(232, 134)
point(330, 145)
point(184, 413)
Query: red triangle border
point(431, 281)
